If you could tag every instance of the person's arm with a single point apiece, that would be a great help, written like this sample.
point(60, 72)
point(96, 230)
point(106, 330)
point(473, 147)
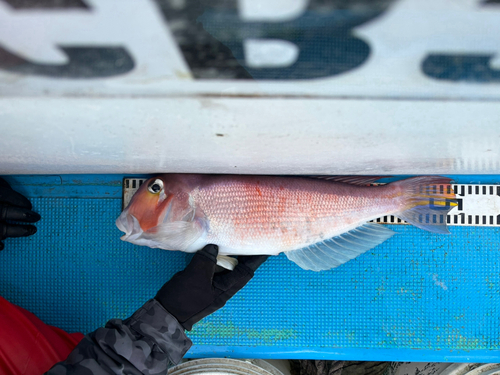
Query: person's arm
point(153, 338)
point(148, 342)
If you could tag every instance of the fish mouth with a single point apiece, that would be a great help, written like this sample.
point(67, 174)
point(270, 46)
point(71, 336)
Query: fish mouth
point(128, 224)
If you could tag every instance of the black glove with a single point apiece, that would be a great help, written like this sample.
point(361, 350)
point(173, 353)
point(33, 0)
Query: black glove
point(15, 207)
point(197, 292)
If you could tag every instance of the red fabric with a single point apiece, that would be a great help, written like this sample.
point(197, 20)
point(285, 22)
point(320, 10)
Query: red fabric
point(28, 345)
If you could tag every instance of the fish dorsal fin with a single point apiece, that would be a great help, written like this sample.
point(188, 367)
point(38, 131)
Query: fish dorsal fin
point(338, 250)
point(353, 180)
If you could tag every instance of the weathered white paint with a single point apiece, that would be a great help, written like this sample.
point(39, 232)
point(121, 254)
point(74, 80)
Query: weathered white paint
point(248, 135)
point(385, 117)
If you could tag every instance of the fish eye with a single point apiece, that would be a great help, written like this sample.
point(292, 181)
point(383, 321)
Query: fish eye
point(156, 186)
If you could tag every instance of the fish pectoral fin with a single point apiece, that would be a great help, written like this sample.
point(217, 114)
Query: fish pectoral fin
point(177, 235)
point(227, 262)
point(338, 250)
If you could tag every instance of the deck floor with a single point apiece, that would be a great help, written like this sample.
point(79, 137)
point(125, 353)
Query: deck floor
point(417, 297)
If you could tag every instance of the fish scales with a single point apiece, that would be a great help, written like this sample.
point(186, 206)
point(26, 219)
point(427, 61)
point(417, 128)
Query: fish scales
point(285, 214)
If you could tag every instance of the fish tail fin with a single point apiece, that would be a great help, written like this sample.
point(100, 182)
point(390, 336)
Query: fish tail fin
point(427, 201)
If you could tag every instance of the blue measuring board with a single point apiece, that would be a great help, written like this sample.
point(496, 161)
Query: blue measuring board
point(417, 297)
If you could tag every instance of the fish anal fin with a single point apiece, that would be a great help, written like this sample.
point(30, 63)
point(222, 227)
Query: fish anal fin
point(338, 250)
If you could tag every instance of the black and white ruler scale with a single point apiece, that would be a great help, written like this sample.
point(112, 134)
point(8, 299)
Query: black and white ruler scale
point(478, 205)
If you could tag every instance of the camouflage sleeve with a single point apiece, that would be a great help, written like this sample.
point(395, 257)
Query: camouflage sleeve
point(148, 342)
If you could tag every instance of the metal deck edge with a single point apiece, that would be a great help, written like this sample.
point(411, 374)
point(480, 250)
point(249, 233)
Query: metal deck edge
point(348, 354)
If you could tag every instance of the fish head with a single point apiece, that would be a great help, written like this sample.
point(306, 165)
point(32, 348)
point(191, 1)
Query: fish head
point(151, 206)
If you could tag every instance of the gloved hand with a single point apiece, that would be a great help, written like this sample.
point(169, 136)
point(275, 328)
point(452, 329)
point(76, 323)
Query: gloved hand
point(197, 292)
point(16, 207)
